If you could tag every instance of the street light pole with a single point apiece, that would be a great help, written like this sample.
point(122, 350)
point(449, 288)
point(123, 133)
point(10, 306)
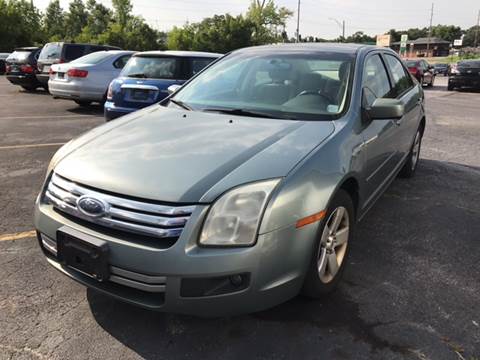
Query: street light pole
point(341, 25)
point(298, 22)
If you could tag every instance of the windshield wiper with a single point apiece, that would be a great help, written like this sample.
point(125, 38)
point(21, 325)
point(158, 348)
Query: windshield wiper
point(138, 75)
point(242, 112)
point(181, 104)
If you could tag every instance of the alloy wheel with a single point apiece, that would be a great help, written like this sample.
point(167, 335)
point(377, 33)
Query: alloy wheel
point(333, 244)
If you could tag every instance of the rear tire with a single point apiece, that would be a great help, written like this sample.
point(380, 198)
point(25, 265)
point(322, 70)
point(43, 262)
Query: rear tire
point(410, 166)
point(83, 103)
point(430, 84)
point(450, 87)
point(331, 250)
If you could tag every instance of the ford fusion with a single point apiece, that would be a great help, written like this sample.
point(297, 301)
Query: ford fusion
point(241, 189)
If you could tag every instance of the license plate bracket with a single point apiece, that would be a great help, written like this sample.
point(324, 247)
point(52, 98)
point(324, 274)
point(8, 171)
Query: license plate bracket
point(83, 253)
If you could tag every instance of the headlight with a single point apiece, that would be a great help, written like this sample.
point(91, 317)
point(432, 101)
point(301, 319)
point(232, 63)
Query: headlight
point(234, 218)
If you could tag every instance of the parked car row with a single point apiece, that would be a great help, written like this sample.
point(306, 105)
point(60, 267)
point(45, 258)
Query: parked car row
point(124, 81)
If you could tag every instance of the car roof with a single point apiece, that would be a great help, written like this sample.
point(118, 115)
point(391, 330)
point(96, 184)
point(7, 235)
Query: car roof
point(346, 48)
point(27, 48)
point(180, 53)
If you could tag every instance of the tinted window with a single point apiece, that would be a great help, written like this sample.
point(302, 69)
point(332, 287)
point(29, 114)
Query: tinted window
point(73, 52)
point(401, 81)
point(51, 51)
point(199, 64)
point(375, 79)
point(152, 67)
point(121, 61)
point(93, 58)
point(281, 85)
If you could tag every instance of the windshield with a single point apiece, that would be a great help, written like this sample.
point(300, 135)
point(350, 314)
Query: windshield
point(412, 63)
point(471, 63)
point(51, 51)
point(279, 85)
point(153, 67)
point(93, 58)
point(18, 56)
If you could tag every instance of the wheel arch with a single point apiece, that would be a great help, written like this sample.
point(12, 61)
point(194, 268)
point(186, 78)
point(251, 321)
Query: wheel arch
point(351, 186)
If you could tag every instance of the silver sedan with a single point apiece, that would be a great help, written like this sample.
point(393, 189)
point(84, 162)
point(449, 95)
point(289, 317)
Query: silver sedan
point(86, 79)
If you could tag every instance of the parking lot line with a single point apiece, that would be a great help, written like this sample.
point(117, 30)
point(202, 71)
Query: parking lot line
point(8, 147)
point(18, 235)
point(46, 116)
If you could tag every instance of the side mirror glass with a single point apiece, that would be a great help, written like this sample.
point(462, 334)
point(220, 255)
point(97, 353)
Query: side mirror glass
point(386, 109)
point(172, 88)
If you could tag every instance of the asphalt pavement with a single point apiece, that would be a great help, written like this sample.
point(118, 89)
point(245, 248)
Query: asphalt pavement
point(411, 290)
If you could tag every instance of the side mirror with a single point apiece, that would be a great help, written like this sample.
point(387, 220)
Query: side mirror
point(172, 88)
point(386, 109)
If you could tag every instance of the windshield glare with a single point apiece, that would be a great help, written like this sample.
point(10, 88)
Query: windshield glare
point(284, 85)
point(151, 67)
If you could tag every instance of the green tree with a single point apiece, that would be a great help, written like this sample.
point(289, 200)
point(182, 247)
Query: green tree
point(268, 19)
point(220, 33)
point(447, 32)
point(54, 21)
point(20, 24)
point(469, 38)
point(99, 17)
point(360, 38)
point(123, 9)
point(76, 19)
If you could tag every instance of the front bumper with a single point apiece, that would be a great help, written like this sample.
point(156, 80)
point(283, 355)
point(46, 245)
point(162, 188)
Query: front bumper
point(274, 267)
point(73, 91)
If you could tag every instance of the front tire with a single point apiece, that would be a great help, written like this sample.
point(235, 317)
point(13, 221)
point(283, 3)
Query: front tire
point(332, 247)
point(410, 166)
point(29, 88)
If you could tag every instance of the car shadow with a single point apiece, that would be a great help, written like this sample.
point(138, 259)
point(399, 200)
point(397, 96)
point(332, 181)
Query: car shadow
point(364, 314)
point(38, 92)
point(93, 109)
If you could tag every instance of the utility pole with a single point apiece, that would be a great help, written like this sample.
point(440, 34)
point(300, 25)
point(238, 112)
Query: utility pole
point(430, 30)
point(298, 22)
point(477, 30)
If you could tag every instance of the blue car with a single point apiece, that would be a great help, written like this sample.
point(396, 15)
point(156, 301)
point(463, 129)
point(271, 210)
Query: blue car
point(146, 77)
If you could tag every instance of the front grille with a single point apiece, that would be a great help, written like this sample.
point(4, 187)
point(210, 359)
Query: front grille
point(119, 213)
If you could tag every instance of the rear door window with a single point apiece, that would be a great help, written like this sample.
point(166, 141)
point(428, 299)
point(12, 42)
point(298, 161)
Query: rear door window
point(73, 52)
point(375, 80)
point(402, 82)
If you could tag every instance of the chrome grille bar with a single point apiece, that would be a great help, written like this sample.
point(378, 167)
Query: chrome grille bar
point(121, 213)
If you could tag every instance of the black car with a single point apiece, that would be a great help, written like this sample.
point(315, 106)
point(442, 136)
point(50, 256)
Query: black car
point(22, 67)
point(441, 69)
point(466, 74)
point(61, 52)
point(3, 57)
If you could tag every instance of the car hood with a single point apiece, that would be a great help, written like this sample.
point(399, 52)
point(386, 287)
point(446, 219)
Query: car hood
point(190, 157)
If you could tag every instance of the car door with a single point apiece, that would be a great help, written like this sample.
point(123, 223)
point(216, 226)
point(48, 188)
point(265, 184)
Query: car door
point(380, 137)
point(411, 96)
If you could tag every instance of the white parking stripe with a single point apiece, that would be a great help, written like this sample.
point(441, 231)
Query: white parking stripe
point(8, 147)
point(47, 116)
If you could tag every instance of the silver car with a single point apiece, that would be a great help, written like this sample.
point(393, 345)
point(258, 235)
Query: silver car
point(242, 188)
point(86, 79)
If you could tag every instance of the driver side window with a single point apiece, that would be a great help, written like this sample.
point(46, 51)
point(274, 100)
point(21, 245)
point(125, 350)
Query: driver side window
point(375, 79)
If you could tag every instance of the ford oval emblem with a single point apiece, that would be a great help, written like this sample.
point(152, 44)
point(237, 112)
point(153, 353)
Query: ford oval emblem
point(91, 207)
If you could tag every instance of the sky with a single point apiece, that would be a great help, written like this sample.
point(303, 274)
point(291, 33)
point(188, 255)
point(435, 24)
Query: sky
point(316, 16)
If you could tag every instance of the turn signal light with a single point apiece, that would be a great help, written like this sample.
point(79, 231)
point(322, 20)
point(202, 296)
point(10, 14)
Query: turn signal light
point(77, 73)
point(311, 219)
point(110, 92)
